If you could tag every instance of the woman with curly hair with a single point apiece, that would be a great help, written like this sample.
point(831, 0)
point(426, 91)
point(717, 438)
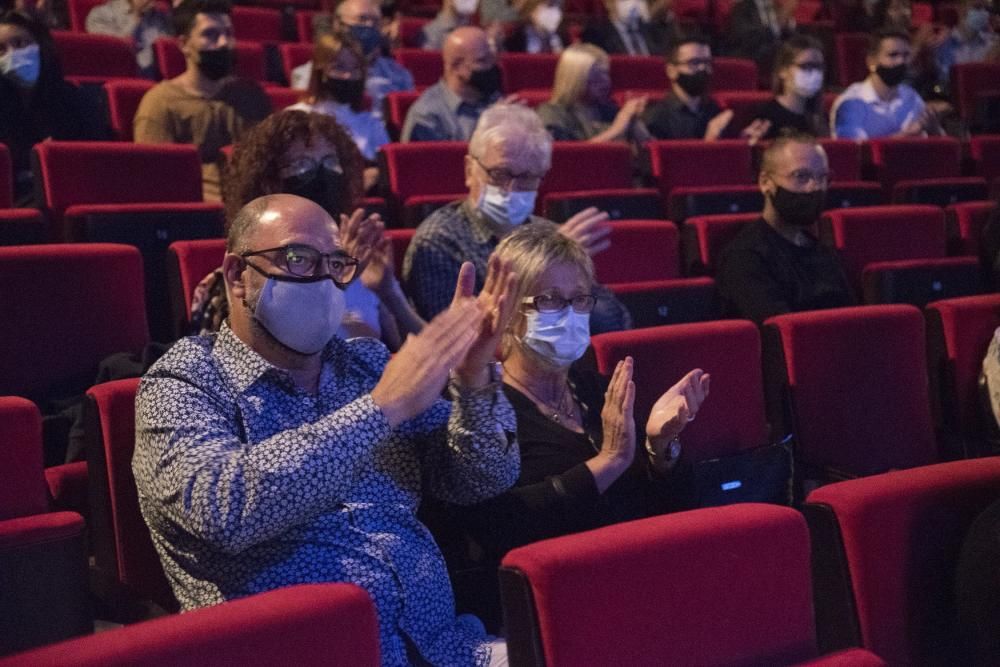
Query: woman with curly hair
point(337, 89)
point(310, 155)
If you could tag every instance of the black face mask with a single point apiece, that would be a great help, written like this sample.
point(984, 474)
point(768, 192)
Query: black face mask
point(217, 63)
point(326, 188)
point(799, 209)
point(486, 81)
point(695, 84)
point(345, 91)
point(891, 76)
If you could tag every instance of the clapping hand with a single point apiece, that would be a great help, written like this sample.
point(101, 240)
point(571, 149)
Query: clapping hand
point(676, 407)
point(496, 305)
point(360, 234)
point(589, 228)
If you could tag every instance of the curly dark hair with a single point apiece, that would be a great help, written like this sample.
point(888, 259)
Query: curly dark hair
point(257, 159)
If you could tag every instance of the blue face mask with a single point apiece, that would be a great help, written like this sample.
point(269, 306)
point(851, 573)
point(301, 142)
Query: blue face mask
point(507, 208)
point(368, 36)
point(22, 66)
point(977, 20)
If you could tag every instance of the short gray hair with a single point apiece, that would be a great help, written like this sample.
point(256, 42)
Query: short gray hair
point(515, 125)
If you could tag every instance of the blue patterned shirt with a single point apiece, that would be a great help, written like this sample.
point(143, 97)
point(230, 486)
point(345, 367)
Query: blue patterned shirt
point(249, 483)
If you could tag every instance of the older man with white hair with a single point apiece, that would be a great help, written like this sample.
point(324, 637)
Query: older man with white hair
point(275, 453)
point(509, 154)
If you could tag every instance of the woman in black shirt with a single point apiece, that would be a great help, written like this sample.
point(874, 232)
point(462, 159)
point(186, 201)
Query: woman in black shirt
point(798, 88)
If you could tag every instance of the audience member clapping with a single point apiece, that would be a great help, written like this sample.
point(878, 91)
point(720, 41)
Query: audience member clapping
point(798, 89)
point(337, 88)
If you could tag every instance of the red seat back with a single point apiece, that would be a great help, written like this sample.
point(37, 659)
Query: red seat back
point(959, 331)
point(739, 592)
point(409, 175)
point(638, 72)
point(884, 233)
point(282, 98)
point(66, 307)
point(249, 59)
point(411, 30)
point(292, 55)
point(189, 262)
point(844, 158)
point(528, 70)
point(641, 250)
point(849, 50)
point(743, 103)
point(733, 417)
point(94, 55)
point(857, 388)
point(397, 105)
point(579, 165)
point(707, 237)
point(968, 81)
point(124, 97)
point(425, 66)
point(733, 74)
point(23, 491)
point(985, 150)
point(695, 163)
point(78, 11)
point(400, 239)
point(916, 158)
point(966, 222)
point(901, 534)
point(258, 24)
point(76, 172)
point(303, 25)
point(307, 625)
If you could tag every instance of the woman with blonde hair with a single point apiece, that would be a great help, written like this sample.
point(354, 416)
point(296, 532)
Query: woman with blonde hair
point(337, 89)
point(581, 108)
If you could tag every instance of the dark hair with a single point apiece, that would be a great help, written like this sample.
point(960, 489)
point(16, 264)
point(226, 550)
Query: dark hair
point(50, 77)
point(185, 13)
point(256, 163)
point(879, 36)
point(328, 47)
point(688, 38)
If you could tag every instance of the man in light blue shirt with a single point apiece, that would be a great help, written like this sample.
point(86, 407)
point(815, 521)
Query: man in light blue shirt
point(882, 105)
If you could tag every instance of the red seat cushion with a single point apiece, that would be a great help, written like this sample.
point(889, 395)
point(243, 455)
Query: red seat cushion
point(22, 491)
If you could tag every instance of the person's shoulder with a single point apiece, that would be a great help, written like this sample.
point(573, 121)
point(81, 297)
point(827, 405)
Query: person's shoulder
point(747, 242)
point(855, 91)
point(432, 95)
point(366, 355)
point(189, 358)
point(909, 95)
point(445, 223)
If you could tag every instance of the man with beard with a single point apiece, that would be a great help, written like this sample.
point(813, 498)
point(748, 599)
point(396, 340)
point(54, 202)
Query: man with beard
point(776, 265)
point(448, 110)
point(205, 105)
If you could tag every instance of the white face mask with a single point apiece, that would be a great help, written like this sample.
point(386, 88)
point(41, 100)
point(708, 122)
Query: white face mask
point(465, 7)
point(807, 82)
point(22, 66)
point(561, 337)
point(507, 208)
point(548, 18)
point(303, 316)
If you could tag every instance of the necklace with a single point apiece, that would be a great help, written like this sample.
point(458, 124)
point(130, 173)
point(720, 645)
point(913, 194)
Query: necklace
point(563, 410)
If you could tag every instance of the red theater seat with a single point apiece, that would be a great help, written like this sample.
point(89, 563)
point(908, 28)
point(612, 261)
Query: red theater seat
point(187, 263)
point(528, 70)
point(43, 562)
point(883, 233)
point(969, 81)
point(924, 170)
point(698, 178)
point(282, 98)
point(849, 50)
point(958, 333)
point(411, 30)
point(743, 103)
point(258, 24)
point(249, 59)
point(851, 384)
point(844, 158)
point(66, 307)
point(885, 551)
point(416, 190)
point(78, 11)
point(985, 150)
point(306, 625)
point(124, 96)
point(640, 250)
point(292, 55)
point(643, 72)
point(397, 104)
point(585, 174)
point(966, 222)
point(99, 56)
point(123, 550)
point(733, 419)
point(705, 237)
point(303, 25)
point(21, 226)
point(738, 593)
point(919, 281)
point(733, 74)
point(425, 66)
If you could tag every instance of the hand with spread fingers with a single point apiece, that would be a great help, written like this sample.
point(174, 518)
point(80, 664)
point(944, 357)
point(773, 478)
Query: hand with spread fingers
point(496, 305)
point(674, 409)
point(618, 444)
point(589, 228)
point(360, 234)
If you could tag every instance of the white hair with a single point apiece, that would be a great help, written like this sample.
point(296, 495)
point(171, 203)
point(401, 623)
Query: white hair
point(516, 127)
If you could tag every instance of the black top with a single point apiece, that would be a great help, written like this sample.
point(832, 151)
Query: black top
point(556, 493)
point(761, 273)
point(672, 119)
point(655, 36)
point(782, 118)
point(574, 123)
point(977, 590)
point(61, 112)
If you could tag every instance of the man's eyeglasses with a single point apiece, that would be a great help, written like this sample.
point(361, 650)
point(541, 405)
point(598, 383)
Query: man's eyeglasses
point(502, 178)
point(803, 177)
point(302, 165)
point(553, 303)
point(304, 261)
